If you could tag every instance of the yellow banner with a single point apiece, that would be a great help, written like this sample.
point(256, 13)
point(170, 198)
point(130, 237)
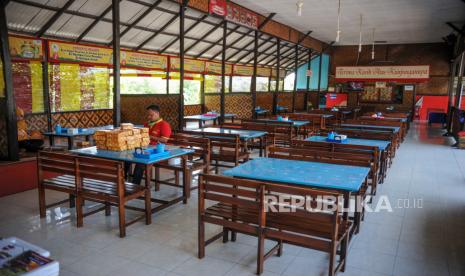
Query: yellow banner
point(383, 73)
point(142, 60)
point(61, 51)
point(263, 72)
point(25, 48)
point(240, 70)
point(190, 65)
point(214, 68)
point(282, 73)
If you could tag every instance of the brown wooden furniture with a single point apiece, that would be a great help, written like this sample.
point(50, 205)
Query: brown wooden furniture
point(198, 161)
point(283, 132)
point(101, 180)
point(225, 148)
point(251, 208)
point(90, 179)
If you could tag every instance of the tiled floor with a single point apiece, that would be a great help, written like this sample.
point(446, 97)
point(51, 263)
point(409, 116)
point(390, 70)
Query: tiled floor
point(408, 241)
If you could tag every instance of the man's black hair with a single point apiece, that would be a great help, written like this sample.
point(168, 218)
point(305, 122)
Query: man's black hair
point(154, 107)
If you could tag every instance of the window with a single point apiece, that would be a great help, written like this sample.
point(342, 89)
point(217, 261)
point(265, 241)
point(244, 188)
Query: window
point(192, 87)
point(241, 84)
point(289, 81)
point(262, 84)
point(76, 87)
point(143, 82)
point(273, 85)
point(213, 84)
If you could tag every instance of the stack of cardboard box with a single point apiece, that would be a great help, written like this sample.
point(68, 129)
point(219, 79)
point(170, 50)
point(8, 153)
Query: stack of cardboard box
point(125, 138)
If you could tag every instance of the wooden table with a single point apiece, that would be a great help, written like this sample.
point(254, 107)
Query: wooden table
point(244, 135)
point(202, 119)
point(127, 156)
point(342, 178)
point(86, 133)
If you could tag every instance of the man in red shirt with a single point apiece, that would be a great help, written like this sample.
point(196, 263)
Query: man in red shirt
point(159, 132)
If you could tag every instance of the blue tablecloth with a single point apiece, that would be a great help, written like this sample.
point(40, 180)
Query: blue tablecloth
point(208, 118)
point(86, 132)
point(355, 126)
point(294, 123)
point(381, 144)
point(312, 174)
point(261, 111)
point(244, 134)
point(127, 156)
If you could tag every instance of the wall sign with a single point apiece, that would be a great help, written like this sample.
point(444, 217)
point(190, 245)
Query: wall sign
point(241, 16)
point(190, 65)
point(240, 70)
point(145, 61)
point(26, 48)
point(71, 52)
point(263, 72)
point(214, 68)
point(383, 73)
point(218, 7)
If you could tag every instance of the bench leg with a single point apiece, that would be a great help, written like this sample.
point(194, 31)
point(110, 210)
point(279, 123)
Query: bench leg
point(260, 253)
point(72, 201)
point(122, 220)
point(225, 235)
point(201, 241)
point(79, 212)
point(157, 179)
point(344, 246)
point(280, 248)
point(332, 257)
point(42, 203)
point(107, 209)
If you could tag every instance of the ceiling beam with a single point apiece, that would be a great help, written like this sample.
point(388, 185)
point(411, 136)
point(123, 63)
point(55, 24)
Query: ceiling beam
point(54, 18)
point(140, 18)
point(216, 42)
point(155, 34)
point(207, 34)
point(455, 28)
point(187, 31)
point(248, 33)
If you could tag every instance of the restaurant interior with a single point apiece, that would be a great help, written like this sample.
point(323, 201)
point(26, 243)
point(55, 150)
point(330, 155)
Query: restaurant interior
point(242, 137)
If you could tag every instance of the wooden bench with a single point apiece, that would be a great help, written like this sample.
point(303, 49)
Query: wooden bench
point(225, 148)
point(198, 161)
point(92, 179)
point(283, 132)
point(253, 208)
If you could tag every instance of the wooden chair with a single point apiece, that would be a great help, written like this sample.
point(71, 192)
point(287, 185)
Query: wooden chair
point(225, 148)
point(198, 161)
point(60, 166)
point(283, 132)
point(101, 180)
point(249, 207)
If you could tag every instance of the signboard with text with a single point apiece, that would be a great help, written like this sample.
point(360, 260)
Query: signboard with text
point(418, 73)
point(218, 7)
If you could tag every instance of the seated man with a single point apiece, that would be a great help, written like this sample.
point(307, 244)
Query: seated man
point(31, 142)
point(159, 131)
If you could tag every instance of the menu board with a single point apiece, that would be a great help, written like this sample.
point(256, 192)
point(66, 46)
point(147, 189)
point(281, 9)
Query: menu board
point(71, 52)
point(214, 68)
point(190, 65)
point(142, 60)
point(240, 70)
point(26, 48)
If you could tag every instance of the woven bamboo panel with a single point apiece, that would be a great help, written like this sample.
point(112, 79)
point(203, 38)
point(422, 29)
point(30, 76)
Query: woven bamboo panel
point(83, 119)
point(285, 99)
point(240, 105)
point(192, 109)
point(133, 108)
point(36, 122)
point(212, 103)
point(265, 100)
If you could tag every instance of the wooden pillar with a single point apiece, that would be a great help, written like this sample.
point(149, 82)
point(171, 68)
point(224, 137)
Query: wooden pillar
point(223, 72)
point(254, 76)
point(182, 17)
point(46, 87)
point(202, 94)
point(296, 65)
point(309, 78)
point(278, 65)
point(116, 63)
point(9, 109)
point(319, 80)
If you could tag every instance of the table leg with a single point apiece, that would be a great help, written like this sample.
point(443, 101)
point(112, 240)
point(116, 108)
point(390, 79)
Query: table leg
point(261, 146)
point(186, 187)
point(148, 196)
point(51, 140)
point(70, 142)
point(72, 201)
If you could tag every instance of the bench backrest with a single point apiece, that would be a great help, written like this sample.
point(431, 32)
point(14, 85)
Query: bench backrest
point(200, 145)
point(56, 162)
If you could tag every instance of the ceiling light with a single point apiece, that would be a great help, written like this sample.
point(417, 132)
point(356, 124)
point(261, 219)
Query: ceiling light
point(300, 5)
point(360, 40)
point(338, 33)
point(373, 46)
